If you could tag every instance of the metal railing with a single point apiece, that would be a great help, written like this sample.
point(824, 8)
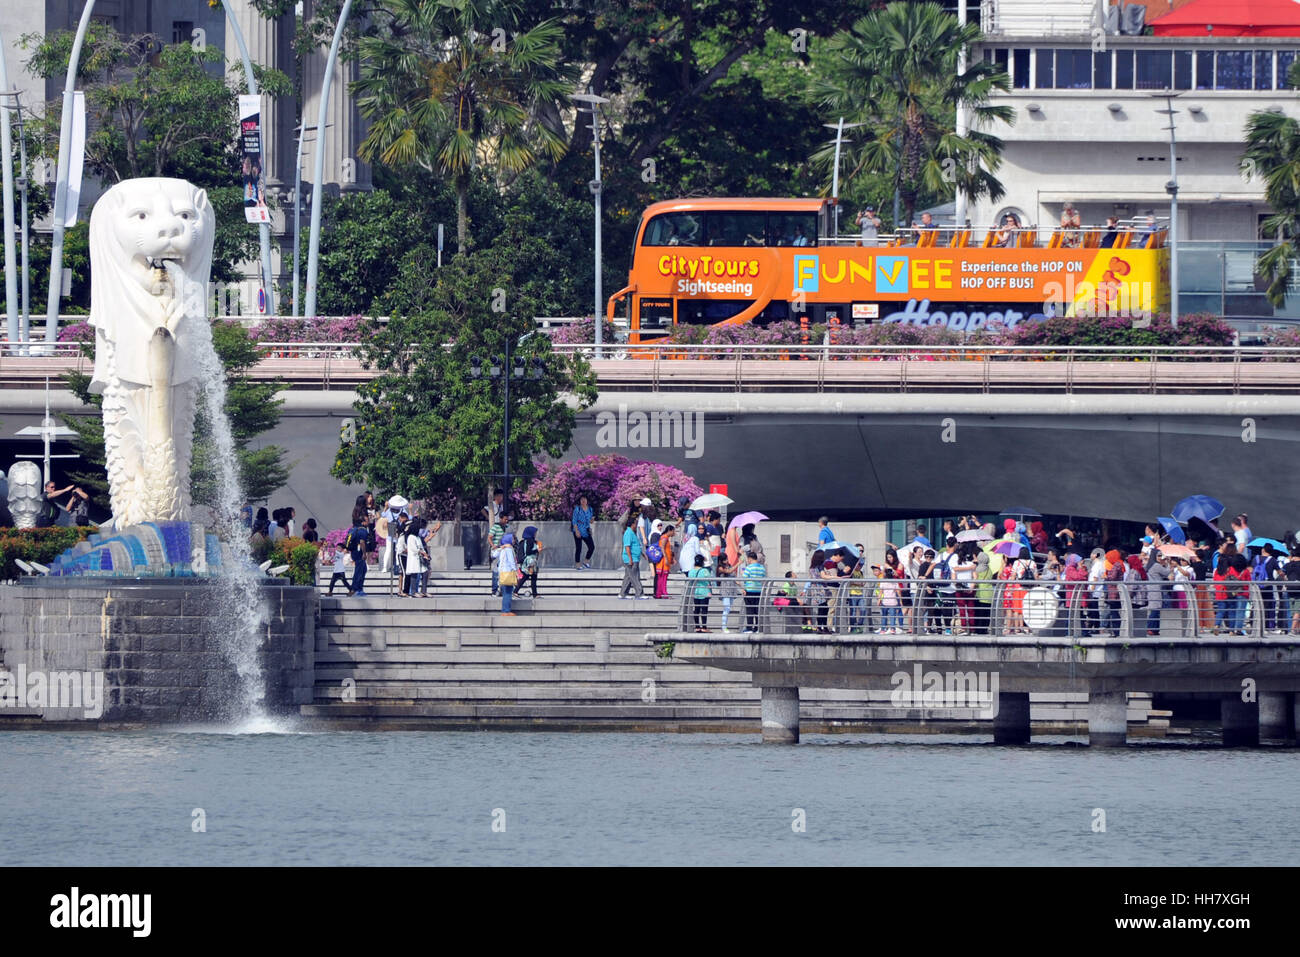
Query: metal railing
point(924, 609)
point(815, 367)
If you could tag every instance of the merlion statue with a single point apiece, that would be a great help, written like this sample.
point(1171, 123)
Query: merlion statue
point(150, 257)
point(25, 494)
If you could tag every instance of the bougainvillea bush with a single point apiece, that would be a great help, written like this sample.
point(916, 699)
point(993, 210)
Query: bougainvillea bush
point(79, 331)
point(611, 483)
point(1195, 329)
point(581, 332)
point(319, 329)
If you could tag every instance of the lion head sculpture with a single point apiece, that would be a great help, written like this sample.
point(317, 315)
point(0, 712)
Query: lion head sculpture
point(144, 235)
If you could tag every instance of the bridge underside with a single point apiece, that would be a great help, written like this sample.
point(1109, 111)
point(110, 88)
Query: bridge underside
point(887, 456)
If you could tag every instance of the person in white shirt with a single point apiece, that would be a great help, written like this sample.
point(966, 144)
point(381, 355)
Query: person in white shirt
point(1097, 593)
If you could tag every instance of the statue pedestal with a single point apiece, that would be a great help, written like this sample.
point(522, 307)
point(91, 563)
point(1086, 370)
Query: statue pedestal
point(446, 558)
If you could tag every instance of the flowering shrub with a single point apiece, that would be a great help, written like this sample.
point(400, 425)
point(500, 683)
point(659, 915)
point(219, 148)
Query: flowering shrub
point(333, 541)
point(79, 331)
point(318, 329)
point(1195, 329)
point(610, 482)
point(41, 545)
point(583, 331)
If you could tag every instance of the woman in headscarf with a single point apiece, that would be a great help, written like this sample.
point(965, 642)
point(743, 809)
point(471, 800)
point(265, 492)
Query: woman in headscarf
point(1037, 537)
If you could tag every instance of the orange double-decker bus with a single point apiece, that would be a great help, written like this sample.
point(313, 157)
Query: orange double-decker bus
point(711, 261)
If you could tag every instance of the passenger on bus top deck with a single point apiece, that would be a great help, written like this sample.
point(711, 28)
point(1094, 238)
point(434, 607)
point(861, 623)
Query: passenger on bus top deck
point(799, 238)
point(870, 224)
point(1112, 232)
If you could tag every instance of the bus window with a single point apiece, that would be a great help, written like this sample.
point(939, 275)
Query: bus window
point(792, 229)
point(656, 314)
point(734, 228)
point(675, 229)
point(707, 311)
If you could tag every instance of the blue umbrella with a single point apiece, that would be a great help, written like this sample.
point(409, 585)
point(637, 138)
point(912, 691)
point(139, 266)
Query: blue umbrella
point(1174, 529)
point(1276, 545)
point(836, 546)
point(1197, 506)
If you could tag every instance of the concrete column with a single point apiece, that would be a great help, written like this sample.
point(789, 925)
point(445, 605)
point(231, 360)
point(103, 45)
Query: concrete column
point(528, 640)
point(1240, 722)
point(780, 715)
point(453, 639)
point(1107, 719)
point(1011, 723)
point(346, 130)
point(1295, 717)
point(602, 642)
point(1273, 715)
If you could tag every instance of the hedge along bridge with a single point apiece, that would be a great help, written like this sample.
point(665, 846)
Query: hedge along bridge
point(1169, 370)
point(1047, 637)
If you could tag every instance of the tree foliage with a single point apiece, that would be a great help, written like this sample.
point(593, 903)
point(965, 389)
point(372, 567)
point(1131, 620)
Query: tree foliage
point(1273, 153)
point(425, 424)
point(895, 70)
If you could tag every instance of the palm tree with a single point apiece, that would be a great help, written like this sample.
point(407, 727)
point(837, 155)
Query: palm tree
point(895, 70)
point(454, 84)
point(1273, 152)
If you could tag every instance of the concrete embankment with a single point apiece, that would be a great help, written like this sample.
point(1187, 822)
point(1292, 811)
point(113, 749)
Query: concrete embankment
point(577, 658)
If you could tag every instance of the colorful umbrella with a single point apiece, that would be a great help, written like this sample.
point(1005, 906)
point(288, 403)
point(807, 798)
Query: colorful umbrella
point(1276, 545)
point(1009, 549)
point(746, 518)
point(1174, 530)
point(1197, 506)
point(1177, 551)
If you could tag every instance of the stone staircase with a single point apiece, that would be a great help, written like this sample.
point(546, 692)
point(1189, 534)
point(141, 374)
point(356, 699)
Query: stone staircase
point(575, 658)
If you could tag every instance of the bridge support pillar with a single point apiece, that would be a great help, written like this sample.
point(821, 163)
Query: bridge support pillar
point(1011, 723)
point(1240, 722)
point(1107, 719)
point(1273, 715)
point(780, 715)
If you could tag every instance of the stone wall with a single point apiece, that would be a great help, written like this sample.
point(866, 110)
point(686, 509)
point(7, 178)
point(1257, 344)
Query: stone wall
point(157, 643)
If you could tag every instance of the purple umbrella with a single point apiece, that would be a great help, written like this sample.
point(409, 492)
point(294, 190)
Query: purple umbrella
point(1009, 549)
point(746, 518)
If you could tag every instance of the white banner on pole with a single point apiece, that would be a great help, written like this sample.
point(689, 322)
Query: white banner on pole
point(76, 158)
point(250, 146)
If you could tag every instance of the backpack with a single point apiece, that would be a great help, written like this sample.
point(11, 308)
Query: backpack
point(355, 542)
point(1259, 572)
point(654, 553)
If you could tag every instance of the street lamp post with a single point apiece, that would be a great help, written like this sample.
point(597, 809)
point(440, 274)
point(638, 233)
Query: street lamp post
point(839, 129)
point(502, 369)
point(297, 213)
point(1171, 188)
point(593, 104)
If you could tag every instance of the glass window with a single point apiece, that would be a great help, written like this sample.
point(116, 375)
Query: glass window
point(1154, 70)
point(741, 228)
point(1284, 60)
point(1263, 69)
point(1182, 69)
point(1000, 56)
point(1205, 69)
point(1232, 70)
point(1101, 71)
point(1073, 69)
point(1123, 69)
point(708, 311)
point(675, 229)
point(786, 229)
point(1043, 70)
point(1020, 69)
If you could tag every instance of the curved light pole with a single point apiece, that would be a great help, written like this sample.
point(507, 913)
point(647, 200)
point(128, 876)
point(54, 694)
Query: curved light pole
point(1171, 188)
point(318, 163)
point(590, 103)
point(11, 268)
point(61, 184)
point(263, 229)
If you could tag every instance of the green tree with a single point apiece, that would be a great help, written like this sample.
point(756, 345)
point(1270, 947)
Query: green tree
point(1273, 153)
point(424, 425)
point(251, 407)
point(450, 86)
point(896, 71)
point(157, 110)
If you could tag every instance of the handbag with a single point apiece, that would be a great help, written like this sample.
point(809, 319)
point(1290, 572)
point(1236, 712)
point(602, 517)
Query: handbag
point(508, 577)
